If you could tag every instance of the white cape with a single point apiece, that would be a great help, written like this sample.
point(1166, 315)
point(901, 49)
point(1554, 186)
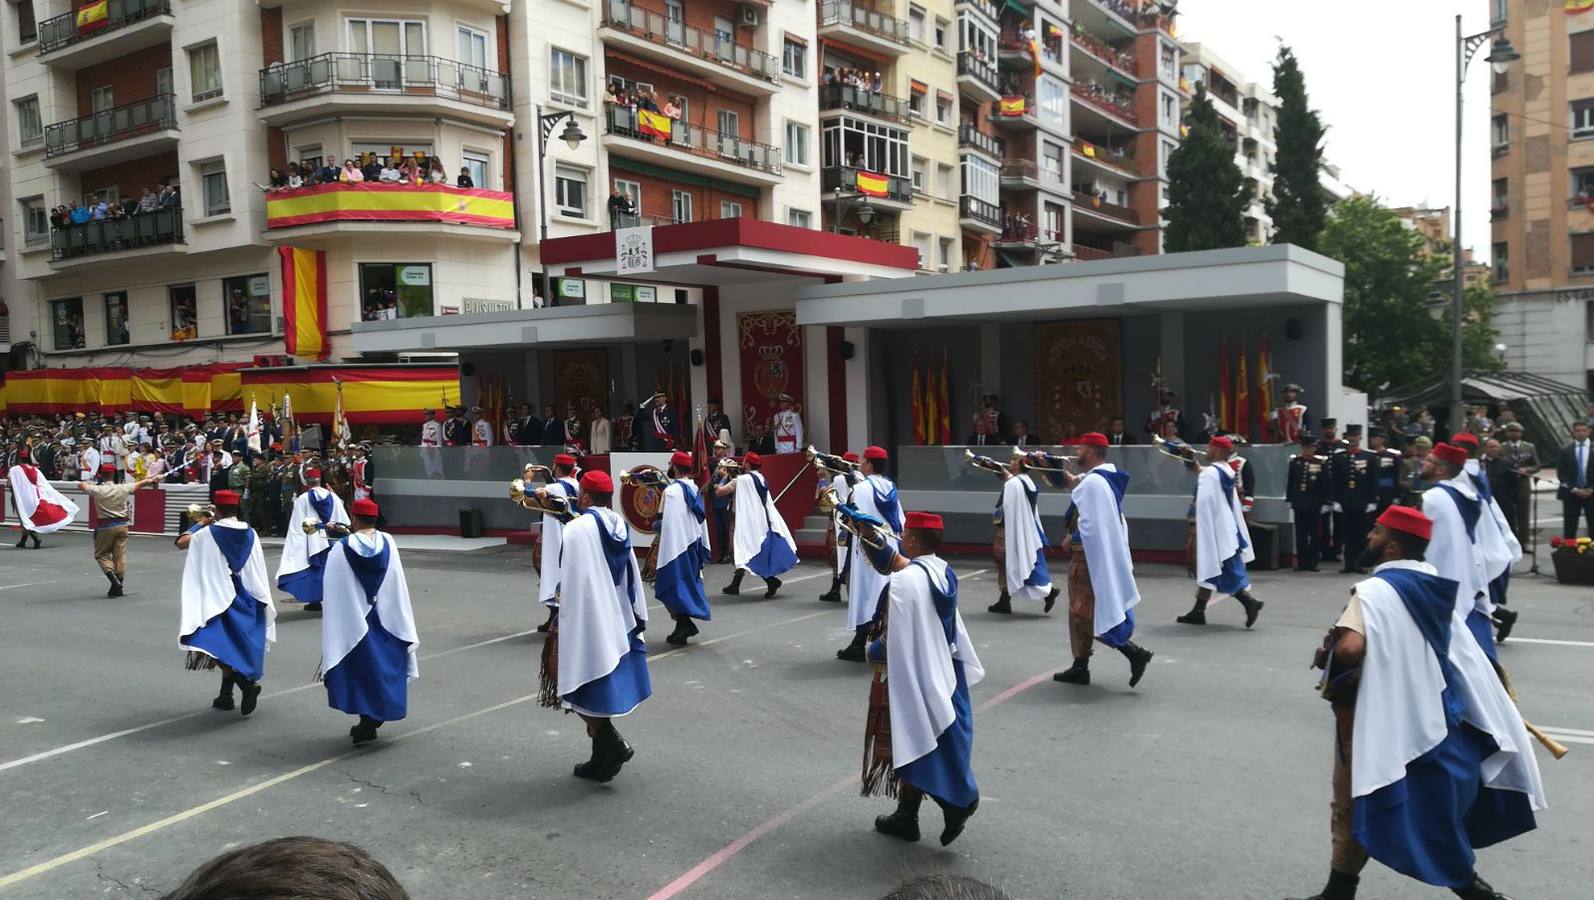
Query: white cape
point(1399, 710)
point(843, 490)
point(27, 494)
point(679, 529)
point(1496, 541)
point(1451, 552)
point(594, 629)
point(1220, 522)
point(344, 606)
point(754, 520)
point(1024, 539)
point(298, 547)
point(1105, 535)
point(552, 530)
point(920, 678)
point(207, 583)
point(864, 582)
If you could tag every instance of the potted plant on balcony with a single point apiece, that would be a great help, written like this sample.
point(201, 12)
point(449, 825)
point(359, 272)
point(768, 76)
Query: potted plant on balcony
point(1573, 562)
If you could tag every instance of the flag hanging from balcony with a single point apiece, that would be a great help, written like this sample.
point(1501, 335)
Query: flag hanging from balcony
point(1035, 55)
point(656, 124)
point(1012, 106)
point(1087, 148)
point(92, 16)
point(304, 302)
point(1242, 397)
point(872, 185)
point(1575, 7)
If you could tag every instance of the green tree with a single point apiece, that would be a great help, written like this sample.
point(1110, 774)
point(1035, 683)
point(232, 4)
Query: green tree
point(1298, 206)
point(1206, 192)
point(1478, 334)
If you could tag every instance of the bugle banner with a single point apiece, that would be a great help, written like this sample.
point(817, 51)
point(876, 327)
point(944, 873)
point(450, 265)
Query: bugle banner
point(1078, 376)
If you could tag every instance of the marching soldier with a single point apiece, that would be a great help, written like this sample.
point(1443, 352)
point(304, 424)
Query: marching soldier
point(1387, 464)
point(1306, 490)
point(1355, 495)
point(874, 494)
point(1222, 540)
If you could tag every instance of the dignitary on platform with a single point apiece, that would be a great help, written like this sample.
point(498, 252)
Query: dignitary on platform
point(304, 552)
point(551, 531)
point(839, 484)
point(1431, 758)
point(873, 494)
point(761, 543)
point(787, 426)
point(683, 551)
point(368, 637)
point(656, 423)
point(1222, 539)
point(228, 620)
point(1499, 543)
point(40, 507)
point(1459, 544)
point(595, 662)
point(1025, 574)
point(1101, 576)
point(929, 663)
point(1306, 491)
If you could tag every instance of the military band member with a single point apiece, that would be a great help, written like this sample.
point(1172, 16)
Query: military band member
point(550, 534)
point(762, 543)
point(40, 507)
point(1431, 758)
point(1102, 594)
point(360, 485)
point(788, 427)
point(228, 620)
point(1164, 416)
point(1289, 420)
point(1386, 465)
point(113, 503)
point(1306, 491)
point(835, 547)
point(1332, 539)
point(931, 655)
point(683, 551)
point(304, 555)
point(1024, 572)
point(1222, 540)
point(1501, 548)
point(1458, 549)
point(720, 505)
point(1355, 495)
point(874, 494)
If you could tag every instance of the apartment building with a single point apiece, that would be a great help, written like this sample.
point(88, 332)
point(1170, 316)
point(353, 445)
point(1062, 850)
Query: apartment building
point(1248, 114)
point(1541, 135)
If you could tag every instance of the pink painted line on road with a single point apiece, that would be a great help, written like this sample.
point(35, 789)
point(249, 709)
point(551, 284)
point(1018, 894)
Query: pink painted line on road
point(723, 855)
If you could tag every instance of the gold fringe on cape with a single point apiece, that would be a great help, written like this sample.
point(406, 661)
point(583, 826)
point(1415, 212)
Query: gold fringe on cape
point(196, 661)
point(879, 777)
point(548, 694)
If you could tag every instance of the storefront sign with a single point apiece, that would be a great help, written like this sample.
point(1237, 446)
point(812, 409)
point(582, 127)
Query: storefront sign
point(573, 288)
point(647, 293)
point(415, 276)
point(473, 306)
point(622, 293)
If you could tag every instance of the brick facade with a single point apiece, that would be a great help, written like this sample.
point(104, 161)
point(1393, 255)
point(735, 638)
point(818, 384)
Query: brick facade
point(271, 35)
point(703, 105)
point(131, 77)
point(131, 177)
point(658, 198)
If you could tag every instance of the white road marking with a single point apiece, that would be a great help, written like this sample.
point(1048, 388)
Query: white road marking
point(29, 720)
point(1574, 732)
point(7, 587)
point(1524, 640)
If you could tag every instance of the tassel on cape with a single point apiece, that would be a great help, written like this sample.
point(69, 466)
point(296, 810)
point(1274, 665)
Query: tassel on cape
point(879, 777)
point(548, 684)
point(195, 661)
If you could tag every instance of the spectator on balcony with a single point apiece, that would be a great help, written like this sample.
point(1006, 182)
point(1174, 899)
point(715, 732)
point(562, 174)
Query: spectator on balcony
point(351, 173)
point(171, 197)
point(60, 217)
point(390, 174)
point(276, 182)
point(611, 93)
point(410, 171)
point(622, 211)
point(437, 174)
point(99, 210)
point(80, 214)
point(464, 180)
point(150, 200)
point(877, 84)
point(129, 206)
point(646, 100)
point(672, 108)
point(372, 169)
point(295, 179)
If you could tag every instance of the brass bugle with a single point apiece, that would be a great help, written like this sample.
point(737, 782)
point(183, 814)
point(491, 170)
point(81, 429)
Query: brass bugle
point(201, 512)
point(533, 470)
point(986, 463)
point(643, 474)
point(1181, 451)
point(547, 503)
point(1033, 460)
point(828, 501)
point(872, 535)
point(729, 464)
point(332, 529)
point(830, 462)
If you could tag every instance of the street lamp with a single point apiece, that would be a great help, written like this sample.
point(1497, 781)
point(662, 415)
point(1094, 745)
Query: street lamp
point(572, 136)
point(1500, 57)
point(859, 203)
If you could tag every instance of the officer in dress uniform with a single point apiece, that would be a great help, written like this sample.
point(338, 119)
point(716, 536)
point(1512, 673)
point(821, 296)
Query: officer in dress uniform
point(1332, 539)
point(1306, 491)
point(1355, 495)
point(1289, 421)
point(456, 431)
point(788, 425)
point(1388, 463)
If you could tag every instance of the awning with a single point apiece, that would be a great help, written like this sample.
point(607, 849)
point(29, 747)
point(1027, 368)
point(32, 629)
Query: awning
point(1545, 407)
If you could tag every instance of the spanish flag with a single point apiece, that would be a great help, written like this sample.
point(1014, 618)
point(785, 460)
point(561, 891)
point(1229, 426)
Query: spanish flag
point(1035, 55)
point(91, 16)
point(1242, 397)
point(304, 302)
point(1012, 106)
point(871, 185)
point(1577, 7)
point(656, 124)
point(1087, 148)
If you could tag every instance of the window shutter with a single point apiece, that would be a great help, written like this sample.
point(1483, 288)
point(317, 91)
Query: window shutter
point(1583, 51)
point(1583, 252)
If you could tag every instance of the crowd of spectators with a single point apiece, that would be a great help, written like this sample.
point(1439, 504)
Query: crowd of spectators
point(97, 208)
point(409, 170)
point(861, 79)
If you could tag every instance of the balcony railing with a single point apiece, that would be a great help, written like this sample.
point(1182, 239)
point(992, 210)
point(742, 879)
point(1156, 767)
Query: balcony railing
point(1123, 62)
point(1084, 253)
point(856, 99)
point(383, 74)
point(1093, 203)
point(969, 136)
point(1106, 100)
point(859, 16)
point(110, 126)
point(1107, 156)
point(981, 70)
point(63, 30)
point(687, 138)
point(845, 179)
point(1023, 168)
point(162, 226)
point(376, 202)
point(979, 210)
point(656, 27)
point(984, 6)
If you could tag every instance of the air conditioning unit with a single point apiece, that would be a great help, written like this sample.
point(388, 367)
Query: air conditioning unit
point(748, 15)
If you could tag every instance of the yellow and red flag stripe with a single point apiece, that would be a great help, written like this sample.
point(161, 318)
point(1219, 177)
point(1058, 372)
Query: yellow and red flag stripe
point(1575, 7)
point(51, 391)
point(872, 184)
point(657, 124)
point(304, 302)
point(1012, 106)
point(366, 202)
point(372, 395)
point(92, 16)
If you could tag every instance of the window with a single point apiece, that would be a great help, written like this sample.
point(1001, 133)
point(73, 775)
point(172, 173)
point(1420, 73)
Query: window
point(248, 302)
point(943, 109)
point(1502, 271)
point(182, 301)
point(1500, 127)
point(35, 221)
point(1052, 219)
point(943, 30)
point(1053, 96)
point(631, 190)
point(213, 187)
point(916, 23)
point(1168, 147)
point(116, 319)
point(204, 69)
point(390, 37)
point(102, 99)
point(1582, 55)
point(567, 77)
point(799, 218)
point(681, 206)
point(66, 321)
point(943, 181)
point(916, 92)
point(301, 41)
point(797, 143)
point(27, 28)
point(163, 82)
point(730, 209)
point(921, 243)
point(1168, 110)
point(1497, 11)
point(861, 144)
point(1583, 184)
point(1582, 118)
point(1169, 62)
point(1497, 206)
point(1583, 252)
point(30, 129)
point(730, 122)
point(794, 59)
point(982, 179)
point(1052, 161)
point(917, 173)
point(476, 164)
point(944, 260)
point(471, 46)
point(395, 290)
point(570, 191)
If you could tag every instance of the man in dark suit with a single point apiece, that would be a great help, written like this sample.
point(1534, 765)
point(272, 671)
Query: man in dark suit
point(553, 427)
point(1574, 468)
point(1117, 436)
point(526, 429)
point(1021, 436)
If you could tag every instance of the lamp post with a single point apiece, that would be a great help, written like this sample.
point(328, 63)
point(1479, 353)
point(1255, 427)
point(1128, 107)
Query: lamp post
point(859, 202)
point(572, 136)
point(1500, 57)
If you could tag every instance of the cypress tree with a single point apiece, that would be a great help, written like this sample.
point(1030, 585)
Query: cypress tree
point(1206, 192)
point(1298, 206)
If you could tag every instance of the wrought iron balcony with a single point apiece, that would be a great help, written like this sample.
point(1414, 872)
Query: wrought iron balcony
point(110, 126)
point(899, 188)
point(161, 226)
point(975, 139)
point(63, 30)
point(656, 27)
point(383, 74)
point(1097, 205)
point(688, 139)
point(862, 100)
point(848, 14)
point(980, 211)
point(981, 70)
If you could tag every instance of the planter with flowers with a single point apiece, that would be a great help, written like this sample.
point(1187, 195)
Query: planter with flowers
point(1574, 564)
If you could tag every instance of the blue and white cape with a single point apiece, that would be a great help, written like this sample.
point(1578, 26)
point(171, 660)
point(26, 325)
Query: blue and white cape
point(683, 551)
point(304, 556)
point(368, 636)
point(227, 612)
point(603, 662)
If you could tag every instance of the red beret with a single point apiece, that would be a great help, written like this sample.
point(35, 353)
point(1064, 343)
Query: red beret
point(850, 456)
point(681, 458)
point(752, 459)
point(1093, 439)
point(1464, 437)
point(564, 459)
point(597, 482)
point(366, 509)
point(312, 473)
point(227, 498)
point(875, 452)
point(1450, 454)
point(1219, 440)
point(926, 520)
point(1408, 519)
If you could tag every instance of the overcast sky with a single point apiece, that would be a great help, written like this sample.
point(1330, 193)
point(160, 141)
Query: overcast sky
point(1382, 76)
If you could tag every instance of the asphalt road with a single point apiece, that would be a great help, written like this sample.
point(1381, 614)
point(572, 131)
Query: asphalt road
point(1210, 780)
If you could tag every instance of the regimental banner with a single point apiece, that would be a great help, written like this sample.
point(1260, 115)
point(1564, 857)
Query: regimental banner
point(770, 347)
point(580, 377)
point(364, 202)
point(1078, 377)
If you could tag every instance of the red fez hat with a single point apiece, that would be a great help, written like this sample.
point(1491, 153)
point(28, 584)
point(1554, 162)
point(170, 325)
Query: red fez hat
point(875, 452)
point(1408, 519)
point(597, 482)
point(312, 473)
point(365, 509)
point(1464, 437)
point(226, 498)
point(1219, 440)
point(850, 456)
point(681, 458)
point(752, 459)
point(564, 459)
point(926, 520)
point(1450, 454)
point(1093, 439)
